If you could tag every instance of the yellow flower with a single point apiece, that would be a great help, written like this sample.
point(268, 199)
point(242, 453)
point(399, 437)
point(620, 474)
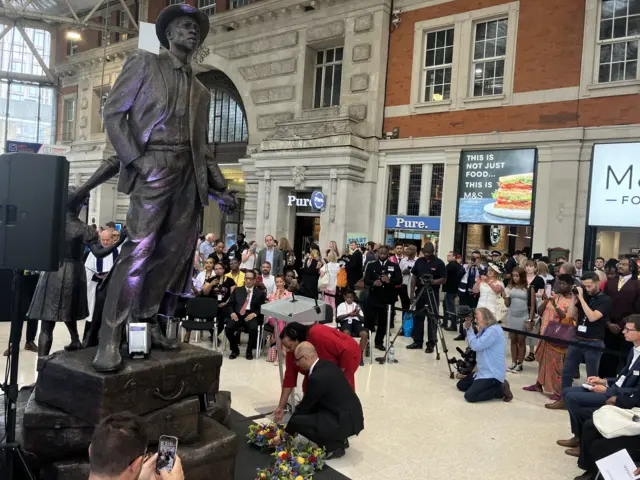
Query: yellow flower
point(300, 460)
point(299, 477)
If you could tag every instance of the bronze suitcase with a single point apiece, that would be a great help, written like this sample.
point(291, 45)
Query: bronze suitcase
point(67, 381)
point(52, 434)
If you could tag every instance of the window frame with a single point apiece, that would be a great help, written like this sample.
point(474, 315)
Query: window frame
point(209, 8)
point(233, 4)
point(67, 134)
point(461, 96)
point(324, 66)
point(426, 69)
point(589, 85)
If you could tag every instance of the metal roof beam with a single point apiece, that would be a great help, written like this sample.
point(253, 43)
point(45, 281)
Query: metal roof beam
point(6, 29)
point(73, 12)
point(93, 10)
point(43, 17)
point(45, 68)
point(126, 9)
point(25, 77)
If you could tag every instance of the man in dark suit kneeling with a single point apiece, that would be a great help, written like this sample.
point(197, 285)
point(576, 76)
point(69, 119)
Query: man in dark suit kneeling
point(245, 304)
point(330, 411)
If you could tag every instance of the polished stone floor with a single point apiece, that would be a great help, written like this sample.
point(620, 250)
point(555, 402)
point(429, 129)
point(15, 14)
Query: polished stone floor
point(417, 425)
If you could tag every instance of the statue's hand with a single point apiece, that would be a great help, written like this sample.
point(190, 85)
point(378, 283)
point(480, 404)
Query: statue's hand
point(226, 199)
point(76, 197)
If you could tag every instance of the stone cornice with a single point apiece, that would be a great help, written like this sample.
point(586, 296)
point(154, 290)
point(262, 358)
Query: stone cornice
point(230, 24)
point(93, 58)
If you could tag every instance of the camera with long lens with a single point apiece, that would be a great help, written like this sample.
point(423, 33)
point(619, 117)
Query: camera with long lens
point(466, 363)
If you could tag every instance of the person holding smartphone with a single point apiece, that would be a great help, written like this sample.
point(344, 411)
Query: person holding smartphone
point(249, 257)
point(117, 440)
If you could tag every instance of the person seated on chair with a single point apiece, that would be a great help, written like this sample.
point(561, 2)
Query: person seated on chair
point(331, 344)
point(594, 446)
point(489, 381)
point(579, 401)
point(350, 318)
point(245, 304)
point(330, 411)
point(221, 288)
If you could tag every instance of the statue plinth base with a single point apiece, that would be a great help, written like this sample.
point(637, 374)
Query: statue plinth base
point(67, 381)
point(170, 390)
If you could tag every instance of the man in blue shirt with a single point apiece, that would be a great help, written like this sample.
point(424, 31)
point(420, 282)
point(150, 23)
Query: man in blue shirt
point(488, 381)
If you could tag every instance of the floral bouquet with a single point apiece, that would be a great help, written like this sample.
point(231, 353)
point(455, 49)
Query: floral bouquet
point(294, 462)
point(261, 435)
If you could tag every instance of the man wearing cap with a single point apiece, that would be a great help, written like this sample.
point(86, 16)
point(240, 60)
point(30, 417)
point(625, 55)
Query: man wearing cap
point(156, 117)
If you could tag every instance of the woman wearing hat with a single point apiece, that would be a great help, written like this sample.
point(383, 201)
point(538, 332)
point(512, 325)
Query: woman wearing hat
point(489, 287)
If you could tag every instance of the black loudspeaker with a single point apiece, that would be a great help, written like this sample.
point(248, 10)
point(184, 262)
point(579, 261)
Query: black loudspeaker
point(33, 204)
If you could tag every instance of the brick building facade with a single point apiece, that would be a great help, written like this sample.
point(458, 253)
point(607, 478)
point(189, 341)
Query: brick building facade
point(493, 74)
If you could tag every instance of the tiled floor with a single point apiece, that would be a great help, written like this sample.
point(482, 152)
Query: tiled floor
point(417, 424)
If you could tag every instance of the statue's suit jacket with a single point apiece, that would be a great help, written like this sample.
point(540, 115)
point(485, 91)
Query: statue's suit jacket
point(137, 103)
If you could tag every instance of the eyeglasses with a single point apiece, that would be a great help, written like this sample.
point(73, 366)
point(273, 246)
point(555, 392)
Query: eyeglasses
point(625, 329)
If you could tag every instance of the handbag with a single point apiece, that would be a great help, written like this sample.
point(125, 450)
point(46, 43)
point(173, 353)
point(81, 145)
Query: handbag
point(564, 330)
point(407, 324)
point(272, 354)
point(614, 422)
point(323, 281)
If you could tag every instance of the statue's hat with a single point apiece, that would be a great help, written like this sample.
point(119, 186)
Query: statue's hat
point(175, 11)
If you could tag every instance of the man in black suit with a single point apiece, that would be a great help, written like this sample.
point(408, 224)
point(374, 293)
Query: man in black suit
point(354, 266)
point(579, 401)
point(382, 277)
point(245, 304)
point(330, 411)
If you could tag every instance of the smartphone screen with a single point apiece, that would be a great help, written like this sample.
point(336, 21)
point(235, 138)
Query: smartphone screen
point(167, 447)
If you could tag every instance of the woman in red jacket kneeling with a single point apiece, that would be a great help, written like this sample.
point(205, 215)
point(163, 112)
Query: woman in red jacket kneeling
point(330, 343)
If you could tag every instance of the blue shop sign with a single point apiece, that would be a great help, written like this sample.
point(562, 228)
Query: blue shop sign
point(405, 222)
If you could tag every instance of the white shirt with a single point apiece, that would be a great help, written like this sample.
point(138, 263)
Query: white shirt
point(625, 279)
point(248, 300)
point(636, 354)
point(250, 263)
point(312, 366)
point(331, 269)
point(404, 264)
point(344, 308)
point(269, 283)
point(199, 281)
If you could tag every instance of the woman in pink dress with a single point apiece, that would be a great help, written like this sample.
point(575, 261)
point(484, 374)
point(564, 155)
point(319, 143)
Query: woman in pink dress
point(279, 293)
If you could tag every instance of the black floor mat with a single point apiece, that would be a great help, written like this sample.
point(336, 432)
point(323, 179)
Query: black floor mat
point(249, 458)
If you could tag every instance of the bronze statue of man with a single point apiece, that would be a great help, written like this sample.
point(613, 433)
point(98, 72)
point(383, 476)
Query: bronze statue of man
point(156, 117)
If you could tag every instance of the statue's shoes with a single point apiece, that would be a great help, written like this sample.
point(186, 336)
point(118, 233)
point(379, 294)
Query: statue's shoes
point(107, 359)
point(73, 346)
point(158, 340)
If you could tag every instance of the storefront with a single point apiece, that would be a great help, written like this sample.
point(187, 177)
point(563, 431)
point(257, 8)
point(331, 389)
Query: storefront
point(495, 200)
point(613, 221)
point(308, 207)
point(411, 230)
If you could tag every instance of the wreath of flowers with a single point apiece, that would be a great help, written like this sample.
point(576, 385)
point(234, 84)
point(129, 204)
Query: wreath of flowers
point(292, 460)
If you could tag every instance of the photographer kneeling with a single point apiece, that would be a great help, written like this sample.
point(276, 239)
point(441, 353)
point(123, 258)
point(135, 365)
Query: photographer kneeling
point(489, 344)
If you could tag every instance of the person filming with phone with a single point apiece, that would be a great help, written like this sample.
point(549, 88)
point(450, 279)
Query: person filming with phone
point(118, 451)
point(593, 316)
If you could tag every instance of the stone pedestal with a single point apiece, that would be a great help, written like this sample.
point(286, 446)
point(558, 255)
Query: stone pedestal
point(170, 390)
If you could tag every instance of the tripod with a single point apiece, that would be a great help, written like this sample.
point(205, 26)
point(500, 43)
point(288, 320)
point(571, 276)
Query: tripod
point(12, 450)
point(433, 322)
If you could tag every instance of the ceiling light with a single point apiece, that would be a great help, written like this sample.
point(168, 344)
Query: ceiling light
point(73, 35)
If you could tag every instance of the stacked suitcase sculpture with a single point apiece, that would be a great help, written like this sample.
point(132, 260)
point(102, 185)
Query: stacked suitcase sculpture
point(171, 390)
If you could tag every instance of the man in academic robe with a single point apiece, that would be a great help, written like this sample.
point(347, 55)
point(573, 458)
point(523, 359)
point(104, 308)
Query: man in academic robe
point(97, 269)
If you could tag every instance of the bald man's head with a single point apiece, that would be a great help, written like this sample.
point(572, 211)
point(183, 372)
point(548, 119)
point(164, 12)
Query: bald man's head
point(106, 238)
point(306, 355)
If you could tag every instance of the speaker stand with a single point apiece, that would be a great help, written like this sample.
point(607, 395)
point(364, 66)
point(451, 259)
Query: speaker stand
point(12, 450)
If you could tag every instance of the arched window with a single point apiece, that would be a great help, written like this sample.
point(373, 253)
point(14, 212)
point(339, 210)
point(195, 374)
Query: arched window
point(226, 119)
